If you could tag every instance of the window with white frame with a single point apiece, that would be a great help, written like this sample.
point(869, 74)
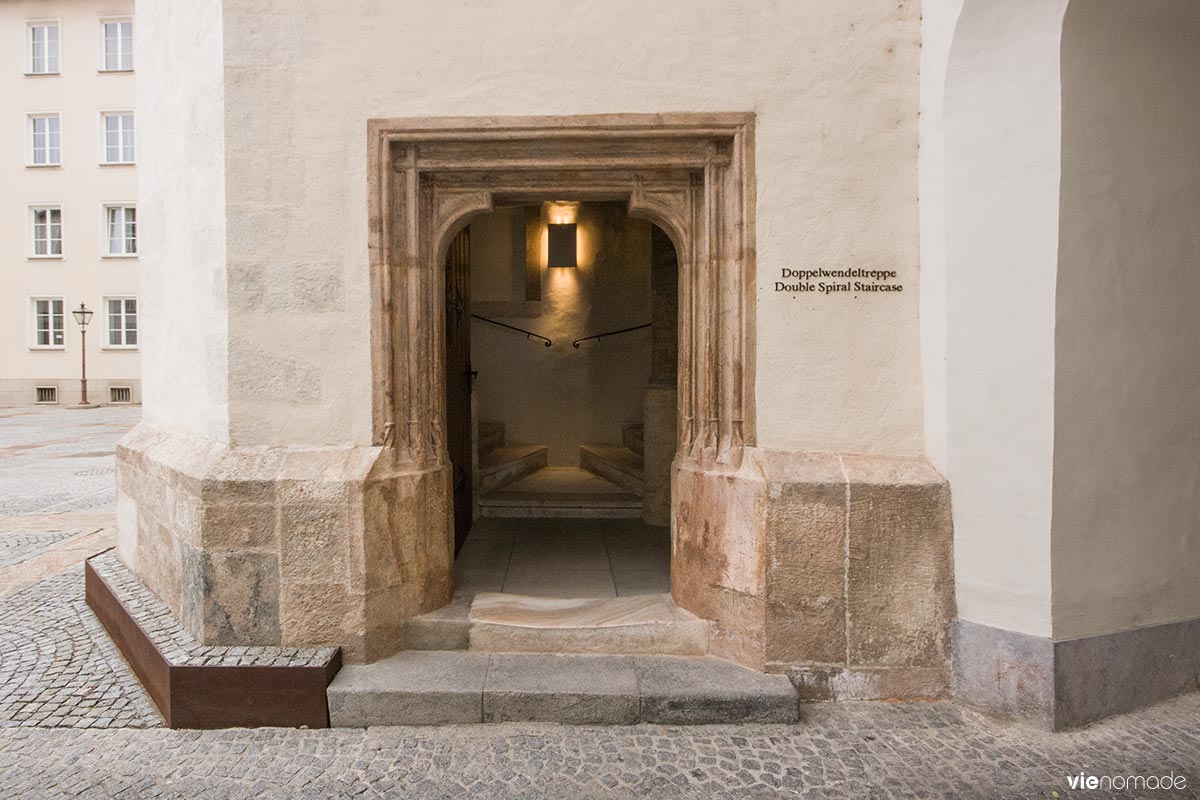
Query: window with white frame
point(45, 139)
point(122, 321)
point(48, 322)
point(47, 231)
point(120, 225)
point(43, 48)
point(118, 44)
point(118, 138)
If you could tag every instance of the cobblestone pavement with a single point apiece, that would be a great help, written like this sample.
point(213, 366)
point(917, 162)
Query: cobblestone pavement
point(59, 460)
point(75, 723)
point(58, 670)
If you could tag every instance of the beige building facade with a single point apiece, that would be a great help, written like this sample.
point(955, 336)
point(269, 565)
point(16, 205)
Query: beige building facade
point(910, 377)
point(70, 188)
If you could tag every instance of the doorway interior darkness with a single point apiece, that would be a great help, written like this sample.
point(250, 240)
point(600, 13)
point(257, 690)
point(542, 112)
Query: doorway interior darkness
point(560, 400)
point(692, 175)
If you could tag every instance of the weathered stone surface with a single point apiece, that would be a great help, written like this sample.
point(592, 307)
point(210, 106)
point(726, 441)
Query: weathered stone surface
point(806, 523)
point(446, 628)
point(651, 623)
point(240, 598)
point(1098, 676)
point(900, 571)
point(574, 689)
point(1064, 684)
point(295, 546)
point(701, 691)
point(411, 688)
point(718, 569)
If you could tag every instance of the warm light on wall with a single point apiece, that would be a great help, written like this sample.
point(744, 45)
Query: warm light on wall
point(562, 212)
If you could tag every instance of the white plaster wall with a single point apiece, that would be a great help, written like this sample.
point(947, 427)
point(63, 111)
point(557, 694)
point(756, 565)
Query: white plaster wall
point(938, 20)
point(562, 396)
point(81, 186)
point(182, 216)
point(1002, 135)
point(835, 90)
point(1126, 534)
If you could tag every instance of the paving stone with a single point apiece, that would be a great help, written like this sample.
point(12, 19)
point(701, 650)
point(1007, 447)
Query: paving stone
point(412, 687)
point(699, 691)
point(574, 689)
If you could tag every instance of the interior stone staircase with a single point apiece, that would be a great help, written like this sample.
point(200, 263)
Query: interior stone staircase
point(516, 481)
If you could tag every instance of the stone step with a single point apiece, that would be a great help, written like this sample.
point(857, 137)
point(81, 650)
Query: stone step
point(620, 465)
point(462, 687)
point(561, 492)
point(447, 628)
point(491, 436)
point(650, 624)
point(632, 434)
point(505, 465)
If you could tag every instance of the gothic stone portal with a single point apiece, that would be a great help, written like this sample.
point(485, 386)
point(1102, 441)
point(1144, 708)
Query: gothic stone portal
point(692, 175)
point(833, 567)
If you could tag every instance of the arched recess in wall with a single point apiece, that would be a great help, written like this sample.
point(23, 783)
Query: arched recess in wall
point(1071, 236)
point(1002, 144)
point(1126, 528)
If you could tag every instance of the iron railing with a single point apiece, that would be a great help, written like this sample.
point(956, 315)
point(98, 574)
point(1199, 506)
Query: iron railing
point(577, 342)
point(528, 334)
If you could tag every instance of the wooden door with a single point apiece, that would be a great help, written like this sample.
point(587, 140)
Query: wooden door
point(458, 380)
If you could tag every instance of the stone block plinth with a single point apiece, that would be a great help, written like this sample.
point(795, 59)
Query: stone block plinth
point(835, 569)
point(284, 546)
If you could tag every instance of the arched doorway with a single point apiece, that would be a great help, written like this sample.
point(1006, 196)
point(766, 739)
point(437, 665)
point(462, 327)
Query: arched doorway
point(692, 175)
point(560, 402)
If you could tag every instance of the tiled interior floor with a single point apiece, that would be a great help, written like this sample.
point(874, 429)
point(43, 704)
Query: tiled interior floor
point(565, 558)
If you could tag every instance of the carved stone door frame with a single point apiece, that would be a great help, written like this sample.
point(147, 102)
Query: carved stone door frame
point(690, 174)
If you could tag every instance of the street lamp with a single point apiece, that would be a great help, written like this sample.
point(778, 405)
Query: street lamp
point(83, 315)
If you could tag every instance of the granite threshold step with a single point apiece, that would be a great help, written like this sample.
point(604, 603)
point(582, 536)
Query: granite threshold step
point(462, 687)
point(496, 622)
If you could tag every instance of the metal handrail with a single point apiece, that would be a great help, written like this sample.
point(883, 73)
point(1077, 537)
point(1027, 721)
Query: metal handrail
point(577, 342)
point(528, 334)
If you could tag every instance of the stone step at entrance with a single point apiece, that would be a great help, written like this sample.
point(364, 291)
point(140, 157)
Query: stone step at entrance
point(504, 465)
point(462, 687)
point(564, 492)
point(500, 623)
point(620, 465)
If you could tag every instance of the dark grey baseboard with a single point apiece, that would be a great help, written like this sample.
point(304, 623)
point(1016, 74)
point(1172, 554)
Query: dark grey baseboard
point(1071, 682)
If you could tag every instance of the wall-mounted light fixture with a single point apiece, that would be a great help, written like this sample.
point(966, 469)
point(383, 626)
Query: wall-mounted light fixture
point(561, 245)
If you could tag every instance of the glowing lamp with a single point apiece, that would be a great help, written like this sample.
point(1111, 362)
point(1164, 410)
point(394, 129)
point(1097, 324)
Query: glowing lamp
point(561, 245)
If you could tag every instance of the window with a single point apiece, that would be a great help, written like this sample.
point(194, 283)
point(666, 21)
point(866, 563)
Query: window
point(43, 48)
point(45, 137)
point(118, 138)
point(47, 394)
point(48, 322)
point(117, 44)
point(120, 225)
point(122, 322)
point(47, 231)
